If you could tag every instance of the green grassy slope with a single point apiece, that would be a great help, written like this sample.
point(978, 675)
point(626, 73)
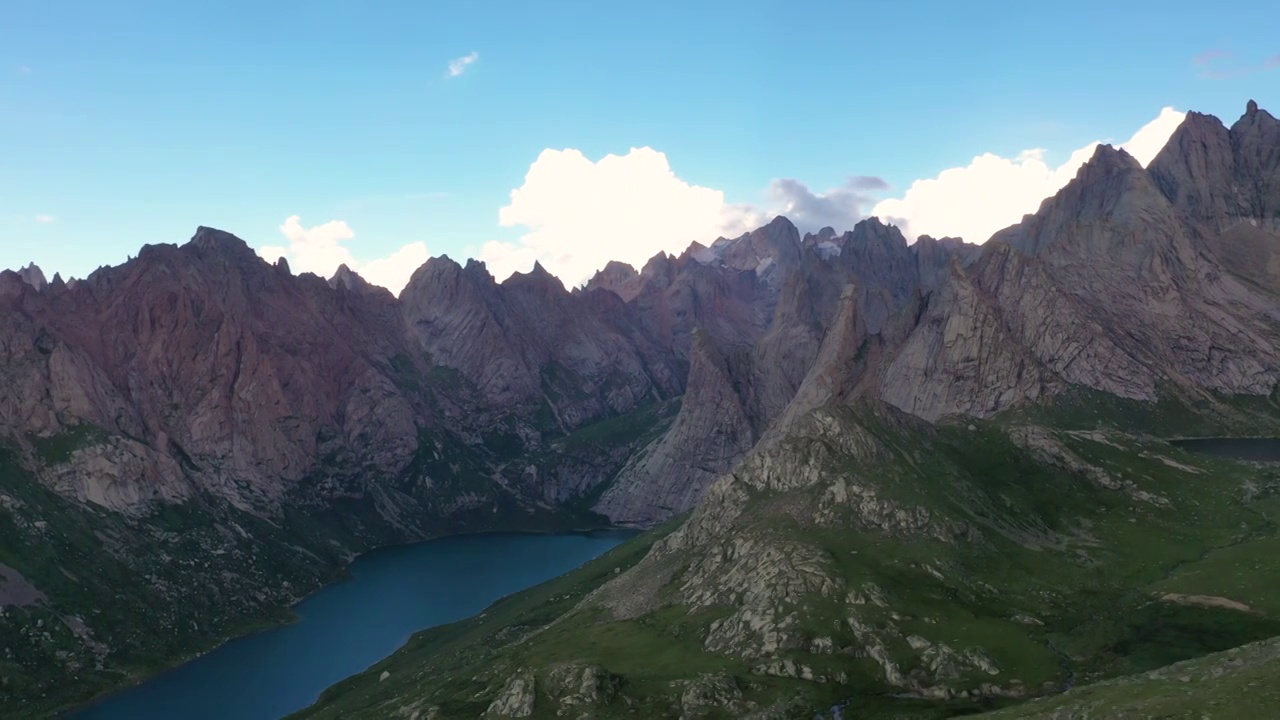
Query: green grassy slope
point(1242, 682)
point(904, 569)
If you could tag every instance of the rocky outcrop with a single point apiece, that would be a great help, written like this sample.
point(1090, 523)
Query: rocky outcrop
point(711, 432)
point(516, 699)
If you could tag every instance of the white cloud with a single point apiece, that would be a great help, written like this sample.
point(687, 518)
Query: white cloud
point(319, 250)
point(839, 208)
point(45, 219)
point(993, 192)
point(581, 214)
point(459, 65)
point(393, 272)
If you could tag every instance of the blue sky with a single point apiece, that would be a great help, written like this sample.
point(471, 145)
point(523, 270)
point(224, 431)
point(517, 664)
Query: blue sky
point(125, 122)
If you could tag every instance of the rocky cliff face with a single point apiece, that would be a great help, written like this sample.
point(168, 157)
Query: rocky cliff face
point(203, 369)
point(1116, 284)
point(1224, 183)
point(768, 301)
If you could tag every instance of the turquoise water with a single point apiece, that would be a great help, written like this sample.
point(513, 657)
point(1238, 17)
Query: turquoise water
point(348, 626)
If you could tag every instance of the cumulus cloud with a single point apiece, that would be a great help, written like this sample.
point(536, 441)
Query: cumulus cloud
point(993, 192)
point(840, 208)
point(45, 219)
point(319, 250)
point(458, 66)
point(580, 214)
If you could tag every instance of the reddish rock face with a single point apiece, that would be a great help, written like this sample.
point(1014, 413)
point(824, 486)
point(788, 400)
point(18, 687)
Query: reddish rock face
point(204, 368)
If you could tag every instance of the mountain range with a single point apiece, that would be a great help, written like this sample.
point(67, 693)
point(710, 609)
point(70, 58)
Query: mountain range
point(920, 477)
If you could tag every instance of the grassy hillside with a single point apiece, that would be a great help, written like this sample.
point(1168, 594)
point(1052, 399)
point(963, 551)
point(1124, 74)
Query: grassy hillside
point(880, 564)
point(1242, 682)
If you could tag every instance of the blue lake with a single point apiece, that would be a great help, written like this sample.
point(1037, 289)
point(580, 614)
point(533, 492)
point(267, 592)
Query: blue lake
point(348, 626)
point(1255, 449)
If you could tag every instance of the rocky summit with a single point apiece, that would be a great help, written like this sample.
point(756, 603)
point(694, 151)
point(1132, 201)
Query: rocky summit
point(880, 478)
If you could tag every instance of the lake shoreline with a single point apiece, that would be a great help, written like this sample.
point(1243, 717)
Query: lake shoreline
point(340, 574)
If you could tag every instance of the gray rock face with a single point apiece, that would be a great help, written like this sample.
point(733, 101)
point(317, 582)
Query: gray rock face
point(1221, 177)
point(871, 267)
point(1226, 184)
point(1111, 285)
point(33, 276)
point(15, 591)
point(516, 699)
point(710, 434)
point(528, 342)
point(619, 278)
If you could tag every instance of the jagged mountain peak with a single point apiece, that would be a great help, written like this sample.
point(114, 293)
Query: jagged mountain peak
point(619, 267)
point(348, 278)
point(874, 229)
point(1109, 193)
point(1220, 177)
point(781, 224)
point(537, 278)
point(1108, 158)
point(619, 277)
point(478, 269)
point(436, 269)
point(1198, 121)
point(33, 276)
point(1255, 115)
point(207, 238)
point(658, 265)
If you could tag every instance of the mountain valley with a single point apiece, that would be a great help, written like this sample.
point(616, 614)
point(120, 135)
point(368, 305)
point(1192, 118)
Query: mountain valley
point(878, 477)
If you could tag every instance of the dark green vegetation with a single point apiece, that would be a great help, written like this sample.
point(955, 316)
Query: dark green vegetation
point(161, 592)
point(900, 569)
point(1240, 683)
point(57, 449)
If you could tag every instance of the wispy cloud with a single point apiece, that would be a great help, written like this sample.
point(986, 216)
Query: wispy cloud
point(1222, 65)
point(45, 219)
point(460, 65)
point(1208, 56)
point(23, 70)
